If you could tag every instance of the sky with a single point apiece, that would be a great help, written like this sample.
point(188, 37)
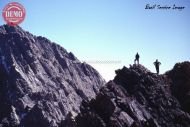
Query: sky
point(108, 33)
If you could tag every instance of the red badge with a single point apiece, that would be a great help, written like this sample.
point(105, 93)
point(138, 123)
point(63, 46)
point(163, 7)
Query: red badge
point(13, 13)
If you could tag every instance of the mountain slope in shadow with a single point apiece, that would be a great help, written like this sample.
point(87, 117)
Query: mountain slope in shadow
point(40, 82)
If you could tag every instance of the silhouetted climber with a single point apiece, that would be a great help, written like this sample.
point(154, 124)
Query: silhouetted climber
point(137, 58)
point(157, 64)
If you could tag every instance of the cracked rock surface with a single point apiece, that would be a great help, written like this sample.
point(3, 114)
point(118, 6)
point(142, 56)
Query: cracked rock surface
point(138, 98)
point(40, 82)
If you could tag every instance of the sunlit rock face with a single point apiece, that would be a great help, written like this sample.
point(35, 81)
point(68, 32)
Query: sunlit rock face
point(139, 98)
point(40, 82)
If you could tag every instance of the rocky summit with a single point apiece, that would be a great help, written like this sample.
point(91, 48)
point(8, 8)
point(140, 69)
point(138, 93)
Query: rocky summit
point(139, 98)
point(40, 82)
point(43, 85)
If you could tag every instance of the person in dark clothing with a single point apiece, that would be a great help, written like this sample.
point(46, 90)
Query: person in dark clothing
point(157, 64)
point(137, 58)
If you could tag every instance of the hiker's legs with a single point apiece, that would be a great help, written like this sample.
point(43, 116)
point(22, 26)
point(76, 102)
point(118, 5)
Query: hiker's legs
point(157, 69)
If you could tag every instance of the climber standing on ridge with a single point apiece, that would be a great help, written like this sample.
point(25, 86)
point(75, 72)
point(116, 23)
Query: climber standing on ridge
point(137, 59)
point(157, 64)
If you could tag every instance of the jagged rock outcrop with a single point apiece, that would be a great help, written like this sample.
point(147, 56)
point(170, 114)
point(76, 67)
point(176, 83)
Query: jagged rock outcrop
point(40, 82)
point(43, 85)
point(180, 80)
point(138, 98)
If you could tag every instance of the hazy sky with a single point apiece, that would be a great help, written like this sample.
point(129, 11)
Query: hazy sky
point(112, 31)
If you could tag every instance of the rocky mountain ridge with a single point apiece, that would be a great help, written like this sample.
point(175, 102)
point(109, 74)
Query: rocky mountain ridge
point(138, 98)
point(40, 82)
point(43, 85)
